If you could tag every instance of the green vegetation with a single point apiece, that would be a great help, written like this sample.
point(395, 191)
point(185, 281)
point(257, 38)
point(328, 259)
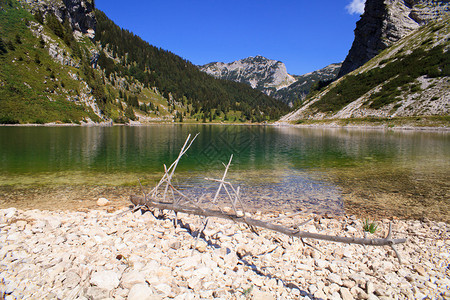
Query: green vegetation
point(395, 75)
point(33, 87)
point(178, 79)
point(370, 226)
point(138, 80)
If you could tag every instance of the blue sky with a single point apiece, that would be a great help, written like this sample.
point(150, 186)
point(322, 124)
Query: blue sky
point(304, 34)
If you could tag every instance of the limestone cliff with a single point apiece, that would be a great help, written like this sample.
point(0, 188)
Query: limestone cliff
point(258, 72)
point(80, 13)
point(408, 79)
point(385, 22)
point(270, 77)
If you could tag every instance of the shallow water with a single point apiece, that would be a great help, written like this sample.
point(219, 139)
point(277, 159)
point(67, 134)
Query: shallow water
point(336, 171)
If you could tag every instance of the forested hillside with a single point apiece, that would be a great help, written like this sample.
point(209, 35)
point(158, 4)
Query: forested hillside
point(36, 87)
point(125, 54)
point(64, 62)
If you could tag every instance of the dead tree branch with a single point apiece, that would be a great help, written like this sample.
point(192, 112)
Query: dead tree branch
point(273, 227)
point(190, 206)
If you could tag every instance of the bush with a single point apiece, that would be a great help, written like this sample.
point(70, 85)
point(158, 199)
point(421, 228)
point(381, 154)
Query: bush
point(39, 17)
point(8, 120)
point(54, 24)
point(2, 46)
point(129, 113)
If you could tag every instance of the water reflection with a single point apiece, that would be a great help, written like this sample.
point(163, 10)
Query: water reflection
point(277, 165)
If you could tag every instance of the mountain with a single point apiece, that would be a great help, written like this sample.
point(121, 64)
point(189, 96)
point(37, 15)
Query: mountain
point(409, 78)
point(259, 72)
point(270, 77)
point(64, 61)
point(296, 93)
point(385, 22)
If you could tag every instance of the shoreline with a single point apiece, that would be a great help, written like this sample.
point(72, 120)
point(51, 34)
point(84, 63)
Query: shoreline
point(99, 253)
point(369, 127)
point(327, 125)
point(313, 126)
point(83, 198)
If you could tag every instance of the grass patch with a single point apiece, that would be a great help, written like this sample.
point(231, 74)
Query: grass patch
point(34, 88)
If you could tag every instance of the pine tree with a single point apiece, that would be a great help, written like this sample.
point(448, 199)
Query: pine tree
point(2, 46)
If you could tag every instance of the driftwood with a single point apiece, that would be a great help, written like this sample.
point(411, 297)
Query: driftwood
point(166, 197)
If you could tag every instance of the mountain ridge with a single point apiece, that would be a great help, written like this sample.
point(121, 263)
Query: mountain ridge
point(270, 77)
point(410, 78)
point(384, 22)
point(257, 71)
point(63, 61)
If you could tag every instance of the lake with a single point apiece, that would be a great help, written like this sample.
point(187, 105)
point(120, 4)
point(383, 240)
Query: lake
point(382, 173)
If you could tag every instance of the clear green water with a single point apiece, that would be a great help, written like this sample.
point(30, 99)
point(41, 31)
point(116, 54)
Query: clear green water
point(327, 170)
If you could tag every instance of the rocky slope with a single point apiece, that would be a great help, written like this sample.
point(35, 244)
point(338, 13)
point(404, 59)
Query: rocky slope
point(270, 77)
point(80, 13)
point(385, 22)
point(295, 93)
point(410, 78)
point(258, 72)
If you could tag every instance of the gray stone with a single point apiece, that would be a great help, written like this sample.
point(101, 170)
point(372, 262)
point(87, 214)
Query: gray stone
point(10, 287)
point(348, 283)
point(132, 278)
point(370, 289)
point(102, 202)
point(312, 289)
point(105, 280)
point(261, 295)
point(319, 294)
point(9, 212)
point(96, 293)
point(335, 296)
point(320, 263)
point(53, 222)
point(141, 291)
point(191, 296)
point(372, 297)
point(345, 294)
point(176, 245)
point(335, 278)
point(164, 288)
point(72, 280)
point(194, 283)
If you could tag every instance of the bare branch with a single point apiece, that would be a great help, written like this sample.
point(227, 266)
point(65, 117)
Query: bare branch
point(172, 202)
point(270, 226)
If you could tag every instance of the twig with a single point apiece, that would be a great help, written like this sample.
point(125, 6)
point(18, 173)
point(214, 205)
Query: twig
point(205, 223)
point(273, 227)
point(233, 194)
point(223, 178)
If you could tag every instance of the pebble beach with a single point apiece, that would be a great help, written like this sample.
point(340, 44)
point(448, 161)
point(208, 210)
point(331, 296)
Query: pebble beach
point(107, 253)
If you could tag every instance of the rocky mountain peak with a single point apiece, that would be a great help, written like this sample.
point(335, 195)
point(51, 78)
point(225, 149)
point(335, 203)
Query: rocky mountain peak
point(384, 22)
point(259, 72)
point(80, 13)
